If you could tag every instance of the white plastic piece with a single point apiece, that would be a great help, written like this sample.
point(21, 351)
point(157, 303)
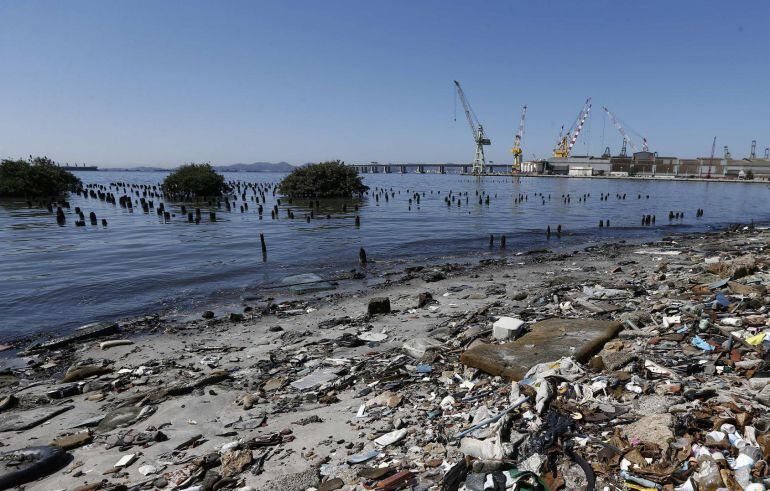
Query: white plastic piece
point(390, 438)
point(506, 327)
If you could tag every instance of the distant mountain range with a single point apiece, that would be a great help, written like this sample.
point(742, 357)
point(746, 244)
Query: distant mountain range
point(255, 167)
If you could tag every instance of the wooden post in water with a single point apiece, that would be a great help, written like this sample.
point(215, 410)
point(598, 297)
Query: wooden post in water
point(358, 221)
point(264, 247)
point(502, 242)
point(362, 257)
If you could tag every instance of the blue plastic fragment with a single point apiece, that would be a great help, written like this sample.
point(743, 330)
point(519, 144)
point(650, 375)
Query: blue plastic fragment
point(698, 342)
point(722, 300)
point(423, 368)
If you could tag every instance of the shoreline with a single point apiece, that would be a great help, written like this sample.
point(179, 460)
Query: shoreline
point(242, 296)
point(274, 392)
point(159, 282)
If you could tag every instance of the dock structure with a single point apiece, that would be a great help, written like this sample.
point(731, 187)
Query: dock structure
point(427, 168)
point(642, 164)
point(648, 164)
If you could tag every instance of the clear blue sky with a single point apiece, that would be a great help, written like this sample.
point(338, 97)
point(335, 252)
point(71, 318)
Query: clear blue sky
point(158, 83)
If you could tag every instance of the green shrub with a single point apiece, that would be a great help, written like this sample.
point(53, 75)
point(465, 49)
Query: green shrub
point(36, 177)
point(331, 179)
point(194, 180)
point(750, 175)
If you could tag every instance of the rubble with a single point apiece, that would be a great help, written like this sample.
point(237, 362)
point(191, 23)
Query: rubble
point(624, 366)
point(378, 305)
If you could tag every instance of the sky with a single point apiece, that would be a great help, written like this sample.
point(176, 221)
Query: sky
point(147, 82)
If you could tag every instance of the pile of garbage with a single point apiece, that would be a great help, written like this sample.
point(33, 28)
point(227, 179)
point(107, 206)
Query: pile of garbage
point(650, 375)
point(677, 400)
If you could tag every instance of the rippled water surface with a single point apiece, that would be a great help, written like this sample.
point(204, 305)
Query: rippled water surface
point(58, 277)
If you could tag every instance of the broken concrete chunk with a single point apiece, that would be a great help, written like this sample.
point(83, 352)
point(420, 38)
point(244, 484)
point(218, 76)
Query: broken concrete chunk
point(75, 440)
point(274, 383)
point(378, 305)
point(654, 429)
point(518, 295)
point(424, 299)
point(235, 461)
point(735, 268)
point(550, 339)
point(299, 481)
point(331, 484)
point(432, 276)
point(314, 379)
point(417, 347)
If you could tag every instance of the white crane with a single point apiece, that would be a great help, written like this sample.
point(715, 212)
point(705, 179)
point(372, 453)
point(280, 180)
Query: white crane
point(626, 139)
point(477, 130)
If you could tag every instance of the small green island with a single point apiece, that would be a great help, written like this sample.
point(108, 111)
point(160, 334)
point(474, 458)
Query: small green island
point(332, 179)
point(36, 177)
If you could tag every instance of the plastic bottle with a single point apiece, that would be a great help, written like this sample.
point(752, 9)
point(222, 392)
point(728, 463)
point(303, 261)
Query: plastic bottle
point(707, 477)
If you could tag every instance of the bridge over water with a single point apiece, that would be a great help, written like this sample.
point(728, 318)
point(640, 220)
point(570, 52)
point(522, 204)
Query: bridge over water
point(451, 168)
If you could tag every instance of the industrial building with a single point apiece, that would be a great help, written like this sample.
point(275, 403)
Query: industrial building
point(648, 164)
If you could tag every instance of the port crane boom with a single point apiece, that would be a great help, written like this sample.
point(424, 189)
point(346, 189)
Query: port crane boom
point(567, 141)
point(516, 150)
point(626, 139)
point(477, 130)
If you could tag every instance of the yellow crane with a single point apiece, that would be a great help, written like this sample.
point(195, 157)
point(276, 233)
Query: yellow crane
point(516, 150)
point(567, 140)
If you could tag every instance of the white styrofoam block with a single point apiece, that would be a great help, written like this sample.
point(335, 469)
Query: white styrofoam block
point(505, 327)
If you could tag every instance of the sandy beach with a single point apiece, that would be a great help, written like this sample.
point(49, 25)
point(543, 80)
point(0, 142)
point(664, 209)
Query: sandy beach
point(292, 395)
